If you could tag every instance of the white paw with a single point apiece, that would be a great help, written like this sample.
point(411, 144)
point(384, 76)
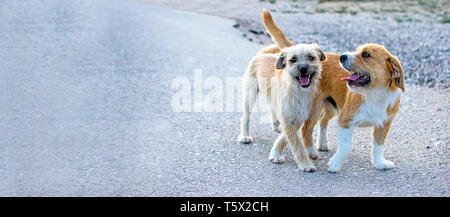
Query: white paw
point(384, 164)
point(275, 157)
point(309, 167)
point(245, 139)
point(312, 153)
point(334, 165)
point(322, 147)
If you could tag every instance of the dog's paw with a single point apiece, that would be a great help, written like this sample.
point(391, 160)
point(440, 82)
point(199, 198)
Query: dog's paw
point(322, 147)
point(245, 139)
point(334, 166)
point(384, 165)
point(276, 127)
point(306, 167)
point(276, 157)
point(312, 153)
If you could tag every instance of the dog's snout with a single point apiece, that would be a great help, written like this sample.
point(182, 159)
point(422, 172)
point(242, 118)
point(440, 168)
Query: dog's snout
point(343, 58)
point(303, 70)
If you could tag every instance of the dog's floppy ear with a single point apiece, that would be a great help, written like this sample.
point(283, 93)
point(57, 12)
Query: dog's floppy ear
point(396, 72)
point(281, 62)
point(319, 52)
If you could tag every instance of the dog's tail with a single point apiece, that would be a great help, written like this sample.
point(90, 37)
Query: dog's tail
point(277, 35)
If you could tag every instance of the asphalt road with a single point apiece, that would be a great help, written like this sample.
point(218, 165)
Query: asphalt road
point(86, 90)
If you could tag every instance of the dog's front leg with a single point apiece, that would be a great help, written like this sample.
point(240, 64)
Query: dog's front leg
point(300, 155)
point(276, 153)
point(308, 128)
point(379, 135)
point(275, 121)
point(344, 148)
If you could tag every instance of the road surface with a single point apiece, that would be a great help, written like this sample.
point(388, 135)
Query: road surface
point(86, 90)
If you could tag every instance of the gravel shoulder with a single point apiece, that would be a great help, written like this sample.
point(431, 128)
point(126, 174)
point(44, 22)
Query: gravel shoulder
point(422, 47)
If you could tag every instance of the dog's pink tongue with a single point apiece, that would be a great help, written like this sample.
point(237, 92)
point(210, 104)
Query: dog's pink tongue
point(304, 80)
point(352, 77)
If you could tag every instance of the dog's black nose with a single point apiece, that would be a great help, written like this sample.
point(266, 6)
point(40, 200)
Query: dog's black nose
point(343, 58)
point(303, 70)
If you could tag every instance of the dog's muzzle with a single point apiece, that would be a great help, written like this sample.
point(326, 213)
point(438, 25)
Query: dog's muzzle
point(345, 61)
point(356, 79)
point(305, 77)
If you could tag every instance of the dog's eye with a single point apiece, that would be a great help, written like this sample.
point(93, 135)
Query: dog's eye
point(293, 60)
point(311, 57)
point(366, 54)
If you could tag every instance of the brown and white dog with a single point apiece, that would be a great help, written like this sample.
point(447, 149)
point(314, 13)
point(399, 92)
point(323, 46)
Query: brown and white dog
point(289, 82)
point(364, 88)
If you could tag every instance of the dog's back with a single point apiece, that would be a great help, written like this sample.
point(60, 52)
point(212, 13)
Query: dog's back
point(262, 65)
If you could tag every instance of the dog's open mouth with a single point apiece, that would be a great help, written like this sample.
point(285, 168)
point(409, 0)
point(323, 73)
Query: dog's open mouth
point(305, 80)
point(357, 79)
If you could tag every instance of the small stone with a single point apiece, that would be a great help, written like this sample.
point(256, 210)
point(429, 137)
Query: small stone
point(253, 31)
point(236, 25)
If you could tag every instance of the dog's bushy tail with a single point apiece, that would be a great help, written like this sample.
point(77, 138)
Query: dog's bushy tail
point(277, 35)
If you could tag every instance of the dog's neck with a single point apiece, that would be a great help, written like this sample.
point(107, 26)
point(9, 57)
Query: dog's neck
point(381, 96)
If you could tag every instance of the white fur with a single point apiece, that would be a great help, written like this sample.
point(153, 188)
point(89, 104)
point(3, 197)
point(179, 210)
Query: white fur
point(322, 141)
point(276, 153)
point(378, 158)
point(373, 111)
point(251, 89)
point(312, 153)
point(295, 103)
point(345, 146)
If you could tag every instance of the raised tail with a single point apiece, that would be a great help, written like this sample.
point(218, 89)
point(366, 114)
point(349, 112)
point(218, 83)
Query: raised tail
point(277, 35)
